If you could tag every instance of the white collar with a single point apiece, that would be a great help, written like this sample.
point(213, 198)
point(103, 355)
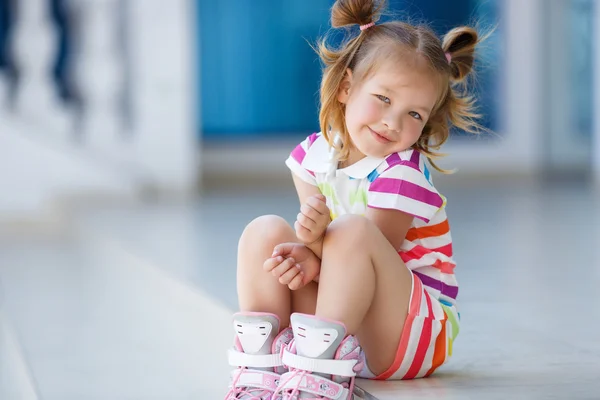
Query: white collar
point(320, 158)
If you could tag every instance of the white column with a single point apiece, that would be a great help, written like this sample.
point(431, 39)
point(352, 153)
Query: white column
point(558, 101)
point(162, 40)
point(35, 43)
point(517, 147)
point(98, 71)
point(596, 113)
point(523, 30)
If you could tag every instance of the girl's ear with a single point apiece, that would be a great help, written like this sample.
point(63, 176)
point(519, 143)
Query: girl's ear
point(344, 90)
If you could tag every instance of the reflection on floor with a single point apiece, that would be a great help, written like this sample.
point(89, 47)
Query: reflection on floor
point(133, 302)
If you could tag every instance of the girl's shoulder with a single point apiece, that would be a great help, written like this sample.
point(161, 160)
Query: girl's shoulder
point(410, 159)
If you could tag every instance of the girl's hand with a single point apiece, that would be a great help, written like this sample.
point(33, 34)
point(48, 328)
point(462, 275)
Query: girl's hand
point(313, 219)
point(294, 264)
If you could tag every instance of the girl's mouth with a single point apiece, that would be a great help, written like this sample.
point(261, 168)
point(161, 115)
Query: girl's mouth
point(378, 137)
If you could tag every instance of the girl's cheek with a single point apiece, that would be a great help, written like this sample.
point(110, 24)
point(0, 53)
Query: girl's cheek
point(370, 109)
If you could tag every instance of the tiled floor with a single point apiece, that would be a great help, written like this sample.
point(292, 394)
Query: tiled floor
point(133, 302)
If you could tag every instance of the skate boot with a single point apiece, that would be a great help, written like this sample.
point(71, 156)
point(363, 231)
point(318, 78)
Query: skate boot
point(322, 361)
point(256, 356)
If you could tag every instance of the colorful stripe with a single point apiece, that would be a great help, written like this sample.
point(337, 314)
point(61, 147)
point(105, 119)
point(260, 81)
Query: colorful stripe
point(440, 351)
point(373, 175)
point(426, 173)
point(419, 252)
point(424, 342)
point(428, 231)
point(400, 182)
point(393, 159)
point(298, 154)
point(407, 189)
point(450, 291)
point(452, 318)
point(312, 138)
point(413, 311)
point(393, 162)
point(445, 267)
point(415, 157)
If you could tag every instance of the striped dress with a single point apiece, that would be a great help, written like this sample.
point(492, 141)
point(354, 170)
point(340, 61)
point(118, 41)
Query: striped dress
point(400, 181)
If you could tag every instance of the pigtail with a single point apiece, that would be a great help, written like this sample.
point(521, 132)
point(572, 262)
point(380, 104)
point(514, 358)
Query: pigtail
point(459, 44)
point(336, 62)
point(351, 12)
point(452, 58)
point(459, 108)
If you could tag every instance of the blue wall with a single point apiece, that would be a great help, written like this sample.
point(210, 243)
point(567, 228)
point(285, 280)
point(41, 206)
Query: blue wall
point(259, 75)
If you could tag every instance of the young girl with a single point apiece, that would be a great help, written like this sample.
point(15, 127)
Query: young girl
point(363, 284)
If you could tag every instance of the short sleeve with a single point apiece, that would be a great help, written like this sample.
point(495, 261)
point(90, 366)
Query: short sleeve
point(294, 161)
point(405, 188)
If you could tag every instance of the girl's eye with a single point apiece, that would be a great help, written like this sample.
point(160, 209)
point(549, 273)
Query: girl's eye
point(383, 98)
point(415, 115)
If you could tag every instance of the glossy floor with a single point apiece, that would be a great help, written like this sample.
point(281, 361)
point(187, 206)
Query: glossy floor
point(134, 301)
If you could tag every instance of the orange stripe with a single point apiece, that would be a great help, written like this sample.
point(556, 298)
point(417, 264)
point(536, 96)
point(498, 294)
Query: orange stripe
point(415, 305)
point(424, 342)
point(439, 353)
point(428, 231)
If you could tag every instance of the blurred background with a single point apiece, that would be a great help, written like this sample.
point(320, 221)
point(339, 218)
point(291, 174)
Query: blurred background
point(139, 137)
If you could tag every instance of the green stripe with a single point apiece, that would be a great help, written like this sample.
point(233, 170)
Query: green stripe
point(450, 312)
point(327, 191)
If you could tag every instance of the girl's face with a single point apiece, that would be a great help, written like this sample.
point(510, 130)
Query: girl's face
point(387, 112)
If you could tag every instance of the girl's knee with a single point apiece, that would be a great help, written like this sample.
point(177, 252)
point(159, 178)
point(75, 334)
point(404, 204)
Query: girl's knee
point(270, 230)
point(348, 229)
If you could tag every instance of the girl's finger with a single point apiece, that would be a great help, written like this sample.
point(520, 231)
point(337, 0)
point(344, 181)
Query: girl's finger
point(318, 205)
point(305, 221)
point(282, 268)
point(289, 275)
point(272, 262)
point(302, 233)
point(309, 212)
point(297, 282)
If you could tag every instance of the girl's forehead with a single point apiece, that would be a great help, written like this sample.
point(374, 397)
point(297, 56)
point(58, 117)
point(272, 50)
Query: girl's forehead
point(403, 74)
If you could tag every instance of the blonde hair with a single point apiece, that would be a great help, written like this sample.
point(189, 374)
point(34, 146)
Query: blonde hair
point(365, 51)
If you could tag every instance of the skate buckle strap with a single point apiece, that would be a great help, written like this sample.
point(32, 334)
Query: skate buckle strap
point(256, 379)
point(343, 368)
point(239, 359)
point(313, 384)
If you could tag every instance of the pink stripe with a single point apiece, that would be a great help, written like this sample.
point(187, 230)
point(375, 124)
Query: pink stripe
point(312, 138)
point(393, 159)
point(414, 308)
point(298, 154)
point(424, 343)
point(415, 157)
point(415, 301)
point(407, 189)
point(445, 250)
point(392, 162)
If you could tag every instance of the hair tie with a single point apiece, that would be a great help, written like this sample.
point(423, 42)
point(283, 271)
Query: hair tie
point(449, 57)
point(366, 26)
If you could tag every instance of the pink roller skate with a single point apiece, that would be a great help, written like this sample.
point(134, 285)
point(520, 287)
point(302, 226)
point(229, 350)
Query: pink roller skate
point(323, 362)
point(256, 356)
